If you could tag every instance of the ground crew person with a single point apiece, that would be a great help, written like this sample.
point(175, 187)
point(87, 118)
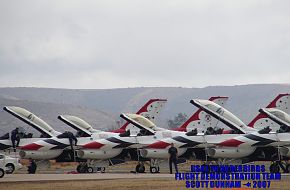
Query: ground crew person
point(15, 137)
point(32, 166)
point(173, 158)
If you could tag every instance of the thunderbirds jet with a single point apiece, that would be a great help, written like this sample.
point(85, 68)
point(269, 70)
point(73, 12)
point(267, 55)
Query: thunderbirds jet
point(151, 133)
point(32, 120)
point(86, 133)
point(89, 144)
point(150, 110)
point(263, 145)
point(212, 138)
point(154, 150)
point(201, 120)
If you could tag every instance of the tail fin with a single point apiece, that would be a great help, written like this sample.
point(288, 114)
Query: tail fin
point(282, 102)
point(150, 110)
point(200, 119)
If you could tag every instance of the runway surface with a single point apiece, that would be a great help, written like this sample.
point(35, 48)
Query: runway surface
point(67, 177)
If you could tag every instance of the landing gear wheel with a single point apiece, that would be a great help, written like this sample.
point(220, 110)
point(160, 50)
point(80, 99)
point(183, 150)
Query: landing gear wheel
point(287, 168)
point(2, 173)
point(82, 168)
point(90, 170)
point(154, 169)
point(140, 168)
point(10, 168)
point(103, 169)
point(274, 168)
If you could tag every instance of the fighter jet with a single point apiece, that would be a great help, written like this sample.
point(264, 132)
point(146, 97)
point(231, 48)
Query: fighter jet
point(32, 120)
point(197, 144)
point(85, 134)
point(264, 145)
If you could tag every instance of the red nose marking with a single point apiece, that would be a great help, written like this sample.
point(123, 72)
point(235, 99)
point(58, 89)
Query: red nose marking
point(93, 145)
point(159, 145)
point(31, 146)
point(231, 143)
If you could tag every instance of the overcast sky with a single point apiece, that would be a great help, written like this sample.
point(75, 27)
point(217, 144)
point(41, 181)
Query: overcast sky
point(112, 44)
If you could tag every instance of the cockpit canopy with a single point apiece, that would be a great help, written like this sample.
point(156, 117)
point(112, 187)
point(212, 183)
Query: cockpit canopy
point(141, 120)
point(31, 119)
point(78, 123)
point(223, 112)
point(279, 114)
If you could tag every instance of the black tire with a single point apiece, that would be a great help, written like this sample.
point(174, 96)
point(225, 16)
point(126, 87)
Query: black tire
point(274, 168)
point(140, 168)
point(90, 170)
point(271, 168)
point(10, 168)
point(103, 169)
point(79, 168)
point(277, 169)
point(287, 168)
point(82, 168)
point(2, 172)
point(153, 170)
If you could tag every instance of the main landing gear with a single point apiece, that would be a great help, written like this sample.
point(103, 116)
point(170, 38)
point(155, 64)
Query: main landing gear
point(140, 168)
point(154, 167)
point(83, 167)
point(276, 166)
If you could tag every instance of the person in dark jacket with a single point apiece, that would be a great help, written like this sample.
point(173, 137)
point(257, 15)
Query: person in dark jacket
point(32, 166)
point(173, 158)
point(15, 138)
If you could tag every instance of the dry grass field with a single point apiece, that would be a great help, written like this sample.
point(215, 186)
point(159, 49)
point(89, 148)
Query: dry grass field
point(120, 184)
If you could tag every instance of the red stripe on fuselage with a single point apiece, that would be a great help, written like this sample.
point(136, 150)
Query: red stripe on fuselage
point(231, 143)
point(31, 146)
point(159, 145)
point(93, 145)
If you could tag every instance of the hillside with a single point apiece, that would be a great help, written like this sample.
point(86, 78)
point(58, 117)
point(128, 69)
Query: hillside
point(101, 107)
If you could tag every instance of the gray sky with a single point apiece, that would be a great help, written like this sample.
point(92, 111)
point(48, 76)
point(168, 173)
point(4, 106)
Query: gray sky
point(109, 44)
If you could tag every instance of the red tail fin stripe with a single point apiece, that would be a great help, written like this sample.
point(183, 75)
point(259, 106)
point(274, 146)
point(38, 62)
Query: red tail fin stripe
point(218, 97)
point(262, 115)
point(144, 108)
point(259, 116)
point(195, 116)
point(121, 130)
point(273, 104)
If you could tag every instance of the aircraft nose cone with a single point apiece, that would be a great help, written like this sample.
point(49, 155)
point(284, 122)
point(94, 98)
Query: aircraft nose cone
point(231, 143)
